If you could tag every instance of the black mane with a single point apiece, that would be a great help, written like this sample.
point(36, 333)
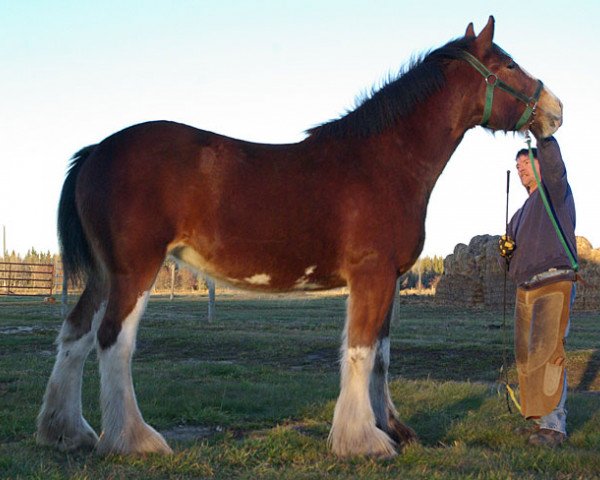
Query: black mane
point(380, 109)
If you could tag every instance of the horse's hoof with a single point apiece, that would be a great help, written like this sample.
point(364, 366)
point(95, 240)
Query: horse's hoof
point(138, 441)
point(369, 441)
point(402, 434)
point(67, 439)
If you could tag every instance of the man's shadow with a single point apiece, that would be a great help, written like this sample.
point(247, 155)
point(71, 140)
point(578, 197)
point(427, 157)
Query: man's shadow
point(591, 372)
point(433, 425)
point(580, 410)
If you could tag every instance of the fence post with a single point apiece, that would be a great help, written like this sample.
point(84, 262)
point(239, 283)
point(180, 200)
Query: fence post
point(52, 280)
point(172, 282)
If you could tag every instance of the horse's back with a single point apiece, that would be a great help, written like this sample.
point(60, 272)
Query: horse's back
point(257, 215)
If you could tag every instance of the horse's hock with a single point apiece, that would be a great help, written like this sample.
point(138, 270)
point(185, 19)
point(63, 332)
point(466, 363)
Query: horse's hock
point(474, 276)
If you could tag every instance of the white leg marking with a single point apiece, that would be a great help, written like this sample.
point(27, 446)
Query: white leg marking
point(310, 270)
point(304, 282)
point(354, 431)
point(258, 279)
point(60, 422)
point(124, 430)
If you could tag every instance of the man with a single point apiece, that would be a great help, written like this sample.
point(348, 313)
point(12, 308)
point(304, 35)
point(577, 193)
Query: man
point(542, 267)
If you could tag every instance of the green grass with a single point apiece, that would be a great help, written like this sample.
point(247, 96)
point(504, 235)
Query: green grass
point(252, 394)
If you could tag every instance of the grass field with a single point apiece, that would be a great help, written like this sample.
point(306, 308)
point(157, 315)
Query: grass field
point(252, 394)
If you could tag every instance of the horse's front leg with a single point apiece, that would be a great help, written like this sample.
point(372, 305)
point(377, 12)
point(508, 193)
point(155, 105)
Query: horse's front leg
point(355, 424)
point(386, 415)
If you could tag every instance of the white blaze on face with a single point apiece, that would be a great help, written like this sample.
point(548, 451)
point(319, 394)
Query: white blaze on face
point(553, 105)
point(549, 111)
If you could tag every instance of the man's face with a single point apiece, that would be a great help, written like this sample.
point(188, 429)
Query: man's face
point(526, 173)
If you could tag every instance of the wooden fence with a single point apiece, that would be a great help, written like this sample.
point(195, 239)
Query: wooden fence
point(46, 279)
point(26, 278)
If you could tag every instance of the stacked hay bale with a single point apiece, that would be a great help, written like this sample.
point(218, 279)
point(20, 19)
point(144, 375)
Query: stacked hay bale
point(588, 290)
point(474, 276)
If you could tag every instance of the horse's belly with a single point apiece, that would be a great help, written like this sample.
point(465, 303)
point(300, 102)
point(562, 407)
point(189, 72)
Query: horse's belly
point(307, 278)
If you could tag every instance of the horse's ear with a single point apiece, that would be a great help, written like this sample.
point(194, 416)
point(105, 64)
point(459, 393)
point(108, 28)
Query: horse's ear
point(470, 30)
point(486, 36)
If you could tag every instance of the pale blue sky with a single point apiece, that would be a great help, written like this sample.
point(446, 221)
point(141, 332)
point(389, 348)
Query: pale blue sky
point(73, 72)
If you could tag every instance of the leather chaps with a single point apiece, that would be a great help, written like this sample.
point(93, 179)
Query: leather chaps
point(541, 319)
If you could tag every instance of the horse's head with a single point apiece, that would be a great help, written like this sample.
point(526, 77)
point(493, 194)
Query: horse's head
point(510, 97)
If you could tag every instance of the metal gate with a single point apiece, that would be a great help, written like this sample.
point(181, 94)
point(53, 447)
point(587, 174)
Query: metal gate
point(26, 278)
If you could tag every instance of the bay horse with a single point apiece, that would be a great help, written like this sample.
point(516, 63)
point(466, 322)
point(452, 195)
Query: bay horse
point(344, 206)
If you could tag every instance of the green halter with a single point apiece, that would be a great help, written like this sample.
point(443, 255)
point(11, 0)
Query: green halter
point(492, 81)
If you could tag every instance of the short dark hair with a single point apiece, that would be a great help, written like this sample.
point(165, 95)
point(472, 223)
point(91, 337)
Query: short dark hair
point(525, 151)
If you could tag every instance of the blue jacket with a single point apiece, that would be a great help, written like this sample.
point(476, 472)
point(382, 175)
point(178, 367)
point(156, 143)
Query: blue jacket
point(538, 247)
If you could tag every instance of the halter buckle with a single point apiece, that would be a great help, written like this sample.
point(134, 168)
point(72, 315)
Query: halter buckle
point(491, 79)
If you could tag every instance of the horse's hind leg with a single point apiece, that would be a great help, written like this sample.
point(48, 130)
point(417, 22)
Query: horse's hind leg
point(354, 430)
point(123, 428)
point(60, 422)
point(385, 412)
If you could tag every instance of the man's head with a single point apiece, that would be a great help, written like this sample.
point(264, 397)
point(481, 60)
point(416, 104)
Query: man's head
point(525, 171)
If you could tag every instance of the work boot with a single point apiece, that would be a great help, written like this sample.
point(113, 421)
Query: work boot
point(526, 430)
point(545, 437)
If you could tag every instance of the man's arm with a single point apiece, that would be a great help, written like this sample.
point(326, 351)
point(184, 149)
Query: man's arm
point(554, 172)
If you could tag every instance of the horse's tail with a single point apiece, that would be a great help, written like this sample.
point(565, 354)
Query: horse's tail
point(76, 254)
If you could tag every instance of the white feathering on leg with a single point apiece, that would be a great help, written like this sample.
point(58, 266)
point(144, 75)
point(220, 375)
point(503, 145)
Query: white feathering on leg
point(124, 430)
point(60, 422)
point(354, 431)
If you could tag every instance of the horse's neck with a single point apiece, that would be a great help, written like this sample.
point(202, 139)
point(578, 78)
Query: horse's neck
point(433, 132)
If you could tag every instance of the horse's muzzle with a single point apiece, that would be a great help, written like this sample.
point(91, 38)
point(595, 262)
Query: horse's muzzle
point(548, 115)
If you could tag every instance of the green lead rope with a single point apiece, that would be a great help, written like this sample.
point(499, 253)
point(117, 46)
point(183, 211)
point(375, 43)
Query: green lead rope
point(559, 232)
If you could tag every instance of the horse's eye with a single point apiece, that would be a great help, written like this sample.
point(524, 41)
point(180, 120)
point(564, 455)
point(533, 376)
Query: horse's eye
point(512, 65)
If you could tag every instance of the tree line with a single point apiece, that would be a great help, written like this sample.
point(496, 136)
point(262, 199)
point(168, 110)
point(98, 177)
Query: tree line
point(425, 273)
point(32, 256)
